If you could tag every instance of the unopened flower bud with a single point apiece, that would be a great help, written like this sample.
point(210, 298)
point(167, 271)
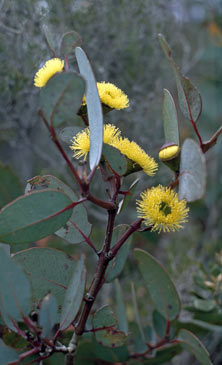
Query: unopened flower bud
point(168, 152)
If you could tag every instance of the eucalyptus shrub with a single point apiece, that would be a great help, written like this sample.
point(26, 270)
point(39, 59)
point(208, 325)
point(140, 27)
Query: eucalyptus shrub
point(45, 300)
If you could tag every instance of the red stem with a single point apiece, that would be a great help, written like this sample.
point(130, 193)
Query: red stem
point(85, 237)
point(133, 227)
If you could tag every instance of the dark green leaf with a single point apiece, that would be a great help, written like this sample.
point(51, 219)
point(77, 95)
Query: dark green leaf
point(123, 204)
point(74, 295)
point(94, 109)
point(137, 316)
point(10, 185)
point(79, 216)
point(104, 318)
point(70, 41)
point(49, 38)
point(7, 354)
point(68, 133)
point(189, 98)
point(61, 97)
point(107, 335)
point(34, 216)
point(48, 316)
point(164, 355)
point(116, 266)
point(170, 120)
point(161, 288)
point(120, 309)
point(49, 271)
point(192, 344)
point(159, 324)
point(114, 355)
point(205, 305)
point(5, 247)
point(15, 293)
point(192, 180)
point(115, 159)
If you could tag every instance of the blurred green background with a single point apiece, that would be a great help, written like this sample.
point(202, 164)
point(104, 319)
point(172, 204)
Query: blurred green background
point(120, 39)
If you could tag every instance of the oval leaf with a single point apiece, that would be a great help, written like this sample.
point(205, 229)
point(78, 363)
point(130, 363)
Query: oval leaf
point(189, 97)
point(70, 41)
point(79, 218)
point(116, 266)
point(193, 345)
point(74, 295)
point(170, 120)
point(48, 316)
point(61, 97)
point(105, 323)
point(15, 292)
point(34, 216)
point(49, 271)
point(161, 288)
point(68, 133)
point(192, 179)
point(7, 354)
point(94, 109)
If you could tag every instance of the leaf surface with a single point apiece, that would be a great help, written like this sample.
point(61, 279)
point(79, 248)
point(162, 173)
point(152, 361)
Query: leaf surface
point(94, 108)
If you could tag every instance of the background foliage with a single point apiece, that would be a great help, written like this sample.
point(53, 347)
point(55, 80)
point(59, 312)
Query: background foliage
point(120, 38)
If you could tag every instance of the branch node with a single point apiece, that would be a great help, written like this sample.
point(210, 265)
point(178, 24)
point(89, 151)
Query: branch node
point(89, 297)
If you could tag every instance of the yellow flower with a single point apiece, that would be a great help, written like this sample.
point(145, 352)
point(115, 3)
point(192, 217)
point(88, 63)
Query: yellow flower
point(160, 208)
point(81, 142)
point(111, 96)
point(50, 68)
point(136, 154)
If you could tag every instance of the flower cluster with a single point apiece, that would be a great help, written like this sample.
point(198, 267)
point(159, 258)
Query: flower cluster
point(81, 143)
point(161, 209)
point(111, 96)
point(49, 69)
point(159, 206)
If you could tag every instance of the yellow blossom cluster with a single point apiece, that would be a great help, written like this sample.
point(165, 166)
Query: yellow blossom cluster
point(161, 209)
point(81, 143)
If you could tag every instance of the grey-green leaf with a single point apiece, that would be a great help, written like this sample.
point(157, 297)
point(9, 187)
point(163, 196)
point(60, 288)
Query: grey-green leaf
point(193, 345)
point(116, 266)
point(94, 109)
point(120, 309)
point(48, 316)
point(189, 97)
point(74, 295)
point(170, 120)
point(49, 271)
point(204, 305)
point(61, 97)
point(34, 216)
point(192, 180)
point(7, 354)
point(160, 286)
point(15, 292)
point(68, 133)
point(79, 216)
